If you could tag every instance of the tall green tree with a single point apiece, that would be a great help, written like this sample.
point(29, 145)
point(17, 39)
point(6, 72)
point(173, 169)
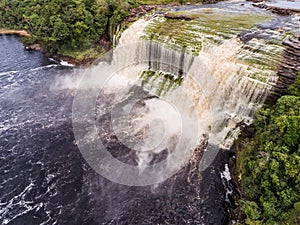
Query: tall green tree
point(271, 164)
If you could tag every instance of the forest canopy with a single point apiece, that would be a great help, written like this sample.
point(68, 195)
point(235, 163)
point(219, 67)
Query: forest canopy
point(62, 25)
point(270, 164)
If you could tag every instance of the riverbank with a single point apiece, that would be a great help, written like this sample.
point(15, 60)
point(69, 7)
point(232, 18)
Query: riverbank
point(85, 58)
point(235, 168)
point(264, 171)
point(20, 33)
point(89, 55)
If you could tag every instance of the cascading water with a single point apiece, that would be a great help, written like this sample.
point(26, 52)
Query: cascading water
point(227, 82)
point(175, 87)
point(217, 82)
point(214, 84)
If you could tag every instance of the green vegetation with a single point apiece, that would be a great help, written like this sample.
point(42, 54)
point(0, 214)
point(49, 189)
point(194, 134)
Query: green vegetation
point(263, 54)
point(259, 76)
point(63, 26)
point(151, 2)
point(69, 27)
point(205, 27)
point(270, 164)
point(159, 81)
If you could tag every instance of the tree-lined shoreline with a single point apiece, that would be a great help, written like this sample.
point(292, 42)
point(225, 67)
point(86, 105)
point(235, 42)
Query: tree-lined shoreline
point(81, 31)
point(20, 33)
point(78, 30)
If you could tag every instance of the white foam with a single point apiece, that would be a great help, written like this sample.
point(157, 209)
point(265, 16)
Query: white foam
point(226, 173)
point(43, 67)
point(17, 201)
point(65, 63)
point(8, 72)
point(53, 60)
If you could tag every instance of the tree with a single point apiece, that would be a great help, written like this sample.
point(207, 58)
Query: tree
point(271, 163)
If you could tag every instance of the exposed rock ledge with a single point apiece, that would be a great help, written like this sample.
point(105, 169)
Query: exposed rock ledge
point(34, 47)
point(85, 62)
point(21, 33)
point(288, 68)
point(144, 9)
point(179, 16)
point(274, 9)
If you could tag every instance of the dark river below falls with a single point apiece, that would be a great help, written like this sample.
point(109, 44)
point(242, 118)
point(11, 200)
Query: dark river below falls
point(45, 180)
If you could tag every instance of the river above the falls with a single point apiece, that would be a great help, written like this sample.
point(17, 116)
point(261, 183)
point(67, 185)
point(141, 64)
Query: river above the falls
point(285, 4)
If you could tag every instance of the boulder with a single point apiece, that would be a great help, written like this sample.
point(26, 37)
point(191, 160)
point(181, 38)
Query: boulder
point(34, 47)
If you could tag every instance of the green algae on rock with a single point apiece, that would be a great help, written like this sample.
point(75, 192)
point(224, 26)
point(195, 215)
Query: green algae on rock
point(204, 27)
point(159, 81)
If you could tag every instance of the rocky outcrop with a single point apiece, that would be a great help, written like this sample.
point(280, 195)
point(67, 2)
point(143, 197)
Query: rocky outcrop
point(142, 10)
point(278, 10)
point(179, 16)
point(274, 9)
point(84, 62)
point(288, 68)
point(34, 47)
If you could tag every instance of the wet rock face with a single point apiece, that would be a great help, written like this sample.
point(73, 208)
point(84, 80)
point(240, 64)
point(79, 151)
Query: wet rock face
point(288, 68)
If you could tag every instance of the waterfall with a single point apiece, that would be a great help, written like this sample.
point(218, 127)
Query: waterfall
point(158, 57)
point(164, 99)
point(218, 83)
